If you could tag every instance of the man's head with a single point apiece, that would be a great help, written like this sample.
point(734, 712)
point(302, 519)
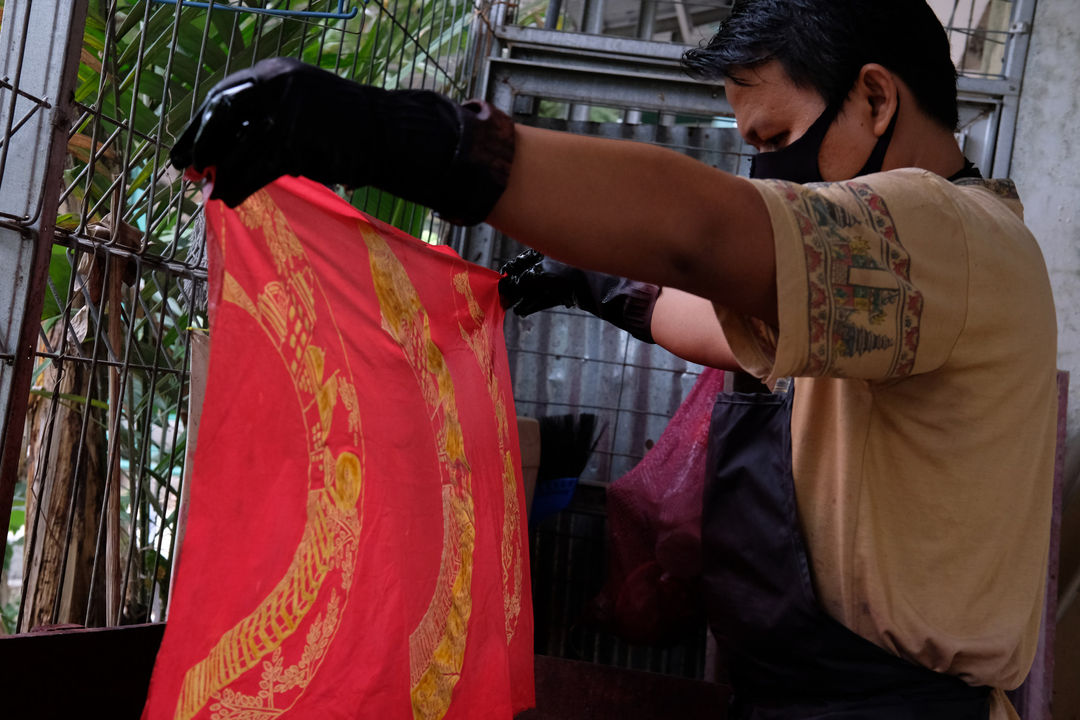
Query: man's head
point(824, 44)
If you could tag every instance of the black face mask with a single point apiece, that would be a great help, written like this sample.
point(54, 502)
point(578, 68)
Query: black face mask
point(798, 162)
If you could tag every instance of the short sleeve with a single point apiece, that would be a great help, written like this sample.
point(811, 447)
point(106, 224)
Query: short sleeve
point(871, 279)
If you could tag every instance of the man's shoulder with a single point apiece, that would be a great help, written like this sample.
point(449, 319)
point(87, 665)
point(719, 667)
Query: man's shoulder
point(922, 179)
point(992, 193)
point(1001, 191)
point(976, 207)
point(1003, 188)
point(902, 189)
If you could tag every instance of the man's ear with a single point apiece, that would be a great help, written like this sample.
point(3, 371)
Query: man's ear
point(877, 87)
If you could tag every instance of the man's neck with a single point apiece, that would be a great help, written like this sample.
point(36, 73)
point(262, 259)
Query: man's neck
point(923, 143)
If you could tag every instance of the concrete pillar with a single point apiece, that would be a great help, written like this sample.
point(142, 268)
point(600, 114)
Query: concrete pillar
point(1046, 167)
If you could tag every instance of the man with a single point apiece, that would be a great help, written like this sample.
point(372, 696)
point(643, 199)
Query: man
point(881, 554)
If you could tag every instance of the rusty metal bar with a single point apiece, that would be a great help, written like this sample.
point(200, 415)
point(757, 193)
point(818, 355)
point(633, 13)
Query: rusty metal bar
point(51, 46)
point(343, 11)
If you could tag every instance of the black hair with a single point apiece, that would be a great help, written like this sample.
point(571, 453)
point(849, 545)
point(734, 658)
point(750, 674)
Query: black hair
point(823, 44)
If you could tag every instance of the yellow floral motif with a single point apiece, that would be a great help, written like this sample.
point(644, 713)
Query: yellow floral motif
point(329, 526)
point(234, 293)
point(437, 645)
point(274, 307)
point(259, 212)
point(481, 344)
point(285, 309)
point(278, 679)
point(347, 393)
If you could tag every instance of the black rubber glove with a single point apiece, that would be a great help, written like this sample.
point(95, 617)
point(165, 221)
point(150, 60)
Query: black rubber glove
point(533, 282)
point(282, 117)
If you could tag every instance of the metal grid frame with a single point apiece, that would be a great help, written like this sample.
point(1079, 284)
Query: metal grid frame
point(95, 393)
point(981, 32)
point(568, 361)
point(633, 76)
point(568, 560)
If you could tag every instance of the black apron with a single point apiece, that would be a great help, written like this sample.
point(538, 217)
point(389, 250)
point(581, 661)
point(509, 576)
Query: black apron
point(787, 658)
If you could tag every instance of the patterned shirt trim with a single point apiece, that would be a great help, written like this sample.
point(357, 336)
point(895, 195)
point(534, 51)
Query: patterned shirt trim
point(1003, 188)
point(860, 298)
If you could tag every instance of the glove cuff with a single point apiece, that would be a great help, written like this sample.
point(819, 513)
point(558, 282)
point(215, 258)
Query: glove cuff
point(638, 310)
point(628, 304)
point(481, 166)
point(452, 158)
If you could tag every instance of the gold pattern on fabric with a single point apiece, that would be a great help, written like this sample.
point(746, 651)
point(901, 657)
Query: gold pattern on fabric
point(235, 294)
point(276, 678)
point(259, 212)
point(437, 644)
point(320, 574)
point(481, 343)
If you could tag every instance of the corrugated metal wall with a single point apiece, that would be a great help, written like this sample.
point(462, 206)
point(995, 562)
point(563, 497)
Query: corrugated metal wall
point(567, 361)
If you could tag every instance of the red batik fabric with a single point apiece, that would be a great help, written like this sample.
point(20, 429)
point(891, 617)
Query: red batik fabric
point(355, 546)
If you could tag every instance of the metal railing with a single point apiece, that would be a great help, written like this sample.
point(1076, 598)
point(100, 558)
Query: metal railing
point(981, 32)
point(95, 351)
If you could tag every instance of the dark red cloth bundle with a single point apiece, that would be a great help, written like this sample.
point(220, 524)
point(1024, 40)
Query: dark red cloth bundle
point(653, 591)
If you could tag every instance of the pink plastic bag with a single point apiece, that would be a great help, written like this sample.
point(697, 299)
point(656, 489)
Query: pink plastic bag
point(654, 519)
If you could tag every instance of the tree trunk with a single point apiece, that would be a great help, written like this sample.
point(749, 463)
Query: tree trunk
point(66, 476)
point(60, 479)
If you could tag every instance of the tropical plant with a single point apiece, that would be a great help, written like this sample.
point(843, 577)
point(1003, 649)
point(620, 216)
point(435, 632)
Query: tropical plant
point(127, 277)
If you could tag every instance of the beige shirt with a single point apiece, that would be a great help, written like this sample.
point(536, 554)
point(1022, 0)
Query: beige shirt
point(917, 318)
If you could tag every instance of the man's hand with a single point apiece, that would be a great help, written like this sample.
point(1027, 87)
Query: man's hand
point(534, 282)
point(279, 117)
point(283, 117)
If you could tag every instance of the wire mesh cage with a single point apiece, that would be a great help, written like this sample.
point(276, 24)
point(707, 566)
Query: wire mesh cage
point(979, 31)
point(568, 558)
point(102, 453)
point(568, 361)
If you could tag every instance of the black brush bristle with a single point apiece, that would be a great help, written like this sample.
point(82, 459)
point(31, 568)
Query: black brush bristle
point(566, 443)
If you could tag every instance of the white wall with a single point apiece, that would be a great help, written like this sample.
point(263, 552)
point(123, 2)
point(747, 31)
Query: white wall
point(1046, 167)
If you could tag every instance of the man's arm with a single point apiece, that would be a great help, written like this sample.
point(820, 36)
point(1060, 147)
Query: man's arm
point(625, 208)
point(643, 212)
point(686, 325)
point(682, 323)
